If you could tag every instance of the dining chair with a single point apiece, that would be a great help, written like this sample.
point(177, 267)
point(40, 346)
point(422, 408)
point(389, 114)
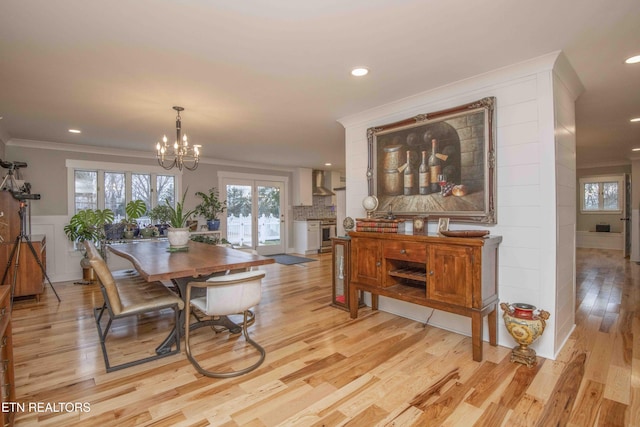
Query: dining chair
point(127, 294)
point(230, 294)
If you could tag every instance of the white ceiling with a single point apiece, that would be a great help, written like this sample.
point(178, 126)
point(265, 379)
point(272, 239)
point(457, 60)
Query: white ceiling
point(265, 80)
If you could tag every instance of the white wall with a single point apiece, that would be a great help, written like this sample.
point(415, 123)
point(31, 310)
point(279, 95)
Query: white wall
point(526, 186)
point(565, 94)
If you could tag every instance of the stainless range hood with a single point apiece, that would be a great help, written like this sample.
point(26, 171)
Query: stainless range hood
point(318, 188)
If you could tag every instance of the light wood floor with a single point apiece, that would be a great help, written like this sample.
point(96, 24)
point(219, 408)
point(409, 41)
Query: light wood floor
point(323, 369)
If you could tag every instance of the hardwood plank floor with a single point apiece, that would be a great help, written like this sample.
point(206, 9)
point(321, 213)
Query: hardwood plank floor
point(324, 369)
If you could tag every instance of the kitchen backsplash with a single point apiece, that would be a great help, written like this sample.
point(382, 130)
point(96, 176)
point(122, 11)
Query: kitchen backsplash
point(322, 208)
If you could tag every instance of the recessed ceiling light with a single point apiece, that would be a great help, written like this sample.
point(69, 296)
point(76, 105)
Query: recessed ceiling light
point(327, 164)
point(635, 119)
point(359, 71)
point(635, 149)
point(633, 60)
point(75, 131)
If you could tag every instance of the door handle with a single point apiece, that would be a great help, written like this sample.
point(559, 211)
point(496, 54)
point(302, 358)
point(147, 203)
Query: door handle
point(625, 219)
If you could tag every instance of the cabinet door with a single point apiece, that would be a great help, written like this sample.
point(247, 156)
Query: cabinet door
point(30, 279)
point(366, 256)
point(302, 187)
point(450, 277)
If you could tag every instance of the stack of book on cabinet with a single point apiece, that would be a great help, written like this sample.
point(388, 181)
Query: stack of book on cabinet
point(378, 225)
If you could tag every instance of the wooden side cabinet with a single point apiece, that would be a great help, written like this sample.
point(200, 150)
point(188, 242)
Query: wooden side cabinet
point(7, 382)
point(30, 279)
point(456, 275)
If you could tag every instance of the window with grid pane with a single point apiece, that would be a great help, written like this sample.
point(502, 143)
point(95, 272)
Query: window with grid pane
point(112, 188)
point(601, 194)
point(86, 190)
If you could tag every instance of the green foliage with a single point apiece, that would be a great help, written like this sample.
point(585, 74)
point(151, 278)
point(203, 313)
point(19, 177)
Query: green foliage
point(88, 224)
point(179, 216)
point(210, 240)
point(239, 201)
point(134, 210)
point(160, 214)
point(268, 201)
point(211, 205)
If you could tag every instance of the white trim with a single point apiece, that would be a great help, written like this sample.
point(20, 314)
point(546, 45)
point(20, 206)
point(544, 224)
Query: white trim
point(119, 167)
point(72, 165)
point(123, 152)
point(253, 178)
point(602, 178)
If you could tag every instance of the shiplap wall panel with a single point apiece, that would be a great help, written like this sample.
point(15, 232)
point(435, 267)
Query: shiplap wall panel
point(526, 208)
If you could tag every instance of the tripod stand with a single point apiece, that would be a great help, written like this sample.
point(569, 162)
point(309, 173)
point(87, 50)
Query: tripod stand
point(9, 182)
point(15, 252)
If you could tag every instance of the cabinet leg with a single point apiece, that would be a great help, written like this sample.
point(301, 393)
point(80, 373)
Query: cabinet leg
point(493, 326)
point(353, 302)
point(374, 301)
point(476, 335)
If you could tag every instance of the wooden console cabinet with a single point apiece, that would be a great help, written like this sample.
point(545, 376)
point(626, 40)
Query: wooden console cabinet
point(30, 279)
point(457, 275)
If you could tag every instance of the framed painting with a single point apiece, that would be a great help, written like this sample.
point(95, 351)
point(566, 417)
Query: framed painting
point(441, 164)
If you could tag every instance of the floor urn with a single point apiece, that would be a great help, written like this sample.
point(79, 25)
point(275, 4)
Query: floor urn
point(525, 326)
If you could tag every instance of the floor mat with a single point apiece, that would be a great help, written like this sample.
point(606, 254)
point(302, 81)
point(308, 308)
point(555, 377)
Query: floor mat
point(290, 259)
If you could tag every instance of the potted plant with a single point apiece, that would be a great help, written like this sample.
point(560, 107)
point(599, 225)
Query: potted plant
point(178, 233)
point(160, 217)
point(89, 224)
point(210, 207)
point(133, 210)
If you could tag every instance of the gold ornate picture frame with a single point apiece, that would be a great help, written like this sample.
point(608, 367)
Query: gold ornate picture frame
point(440, 164)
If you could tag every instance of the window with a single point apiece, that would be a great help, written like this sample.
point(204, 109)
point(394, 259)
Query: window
point(98, 185)
point(85, 189)
point(601, 194)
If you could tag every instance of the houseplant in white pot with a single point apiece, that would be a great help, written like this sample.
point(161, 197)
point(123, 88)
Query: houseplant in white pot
point(178, 232)
point(210, 207)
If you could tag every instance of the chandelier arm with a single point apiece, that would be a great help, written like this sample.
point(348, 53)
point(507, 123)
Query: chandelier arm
point(194, 166)
point(172, 164)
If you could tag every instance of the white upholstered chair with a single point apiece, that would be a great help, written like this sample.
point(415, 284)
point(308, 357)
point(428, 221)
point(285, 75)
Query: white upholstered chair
point(225, 295)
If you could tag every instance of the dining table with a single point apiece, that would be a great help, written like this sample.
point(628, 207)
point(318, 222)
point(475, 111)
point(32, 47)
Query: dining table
point(155, 260)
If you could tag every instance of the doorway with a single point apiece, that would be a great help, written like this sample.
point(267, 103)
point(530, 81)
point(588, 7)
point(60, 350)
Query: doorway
point(255, 216)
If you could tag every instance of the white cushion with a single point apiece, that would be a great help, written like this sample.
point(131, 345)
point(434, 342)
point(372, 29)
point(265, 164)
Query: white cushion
point(230, 294)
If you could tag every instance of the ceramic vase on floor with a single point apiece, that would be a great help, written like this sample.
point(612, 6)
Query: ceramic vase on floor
point(525, 326)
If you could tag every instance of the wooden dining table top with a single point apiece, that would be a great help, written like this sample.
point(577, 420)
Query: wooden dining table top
point(154, 261)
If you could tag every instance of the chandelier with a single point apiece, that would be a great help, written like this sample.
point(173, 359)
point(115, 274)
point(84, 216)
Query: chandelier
point(182, 155)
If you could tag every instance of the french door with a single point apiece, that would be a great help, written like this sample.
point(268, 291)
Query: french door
point(255, 213)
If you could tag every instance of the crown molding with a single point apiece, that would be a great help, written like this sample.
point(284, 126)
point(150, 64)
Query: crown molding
point(119, 152)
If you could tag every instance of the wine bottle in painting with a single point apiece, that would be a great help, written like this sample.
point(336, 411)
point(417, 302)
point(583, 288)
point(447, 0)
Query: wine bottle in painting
point(423, 175)
point(435, 167)
point(409, 177)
